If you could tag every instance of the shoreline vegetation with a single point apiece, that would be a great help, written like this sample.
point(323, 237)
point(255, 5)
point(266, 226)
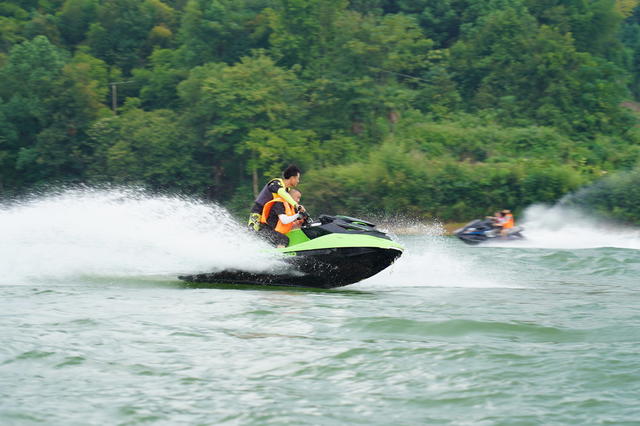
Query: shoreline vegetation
point(447, 112)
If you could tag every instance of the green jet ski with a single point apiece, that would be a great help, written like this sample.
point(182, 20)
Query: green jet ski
point(332, 252)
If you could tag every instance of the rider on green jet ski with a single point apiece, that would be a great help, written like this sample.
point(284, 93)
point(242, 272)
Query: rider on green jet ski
point(278, 218)
point(275, 187)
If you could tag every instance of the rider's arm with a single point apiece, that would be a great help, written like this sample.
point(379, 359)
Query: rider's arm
point(284, 194)
point(288, 219)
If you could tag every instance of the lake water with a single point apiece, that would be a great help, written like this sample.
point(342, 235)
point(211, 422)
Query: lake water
point(95, 328)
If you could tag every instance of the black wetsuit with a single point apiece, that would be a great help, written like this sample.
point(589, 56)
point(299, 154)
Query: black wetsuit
point(266, 195)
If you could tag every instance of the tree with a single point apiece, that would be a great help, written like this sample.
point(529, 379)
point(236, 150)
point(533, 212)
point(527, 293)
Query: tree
point(74, 19)
point(367, 80)
point(226, 102)
point(594, 25)
point(126, 32)
point(510, 64)
point(220, 30)
point(8, 148)
point(29, 77)
point(270, 149)
point(303, 31)
point(630, 37)
point(42, 24)
point(148, 148)
point(446, 21)
point(51, 100)
point(159, 81)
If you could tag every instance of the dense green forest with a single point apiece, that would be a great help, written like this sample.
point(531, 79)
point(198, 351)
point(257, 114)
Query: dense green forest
point(447, 109)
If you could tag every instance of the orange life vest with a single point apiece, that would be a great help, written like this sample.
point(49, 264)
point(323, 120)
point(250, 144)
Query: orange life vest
point(508, 221)
point(288, 210)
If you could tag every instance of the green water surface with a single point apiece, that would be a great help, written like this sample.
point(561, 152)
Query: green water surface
point(508, 336)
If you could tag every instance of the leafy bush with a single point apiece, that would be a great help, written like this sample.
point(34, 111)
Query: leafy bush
point(394, 179)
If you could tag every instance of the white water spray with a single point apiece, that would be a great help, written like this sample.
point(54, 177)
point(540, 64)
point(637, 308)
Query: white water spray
point(432, 260)
point(563, 227)
point(121, 233)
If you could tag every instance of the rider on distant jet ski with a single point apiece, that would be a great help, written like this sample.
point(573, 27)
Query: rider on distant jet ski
point(500, 227)
point(506, 222)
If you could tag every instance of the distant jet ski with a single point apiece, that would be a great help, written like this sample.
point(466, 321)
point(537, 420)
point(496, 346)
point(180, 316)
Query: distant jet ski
point(482, 230)
point(334, 251)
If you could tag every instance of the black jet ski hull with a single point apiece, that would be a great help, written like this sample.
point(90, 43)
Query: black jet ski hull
point(321, 268)
point(475, 240)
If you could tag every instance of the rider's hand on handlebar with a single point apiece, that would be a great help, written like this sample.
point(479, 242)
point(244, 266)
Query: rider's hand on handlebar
point(300, 208)
point(303, 217)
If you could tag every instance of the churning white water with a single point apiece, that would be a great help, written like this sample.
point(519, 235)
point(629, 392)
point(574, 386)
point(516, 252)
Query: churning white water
point(567, 228)
point(121, 232)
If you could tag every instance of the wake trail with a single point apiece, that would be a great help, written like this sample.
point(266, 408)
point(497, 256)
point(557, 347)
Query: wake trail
point(121, 232)
point(561, 227)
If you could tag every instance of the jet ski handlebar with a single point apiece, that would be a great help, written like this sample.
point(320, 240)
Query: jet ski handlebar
point(306, 219)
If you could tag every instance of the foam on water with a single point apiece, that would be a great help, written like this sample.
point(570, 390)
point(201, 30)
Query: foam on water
point(121, 233)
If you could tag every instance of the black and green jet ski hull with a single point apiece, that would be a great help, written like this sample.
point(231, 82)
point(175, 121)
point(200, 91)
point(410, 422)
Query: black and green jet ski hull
point(335, 252)
point(323, 268)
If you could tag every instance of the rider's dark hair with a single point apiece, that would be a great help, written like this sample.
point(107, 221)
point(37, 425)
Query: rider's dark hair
point(291, 171)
